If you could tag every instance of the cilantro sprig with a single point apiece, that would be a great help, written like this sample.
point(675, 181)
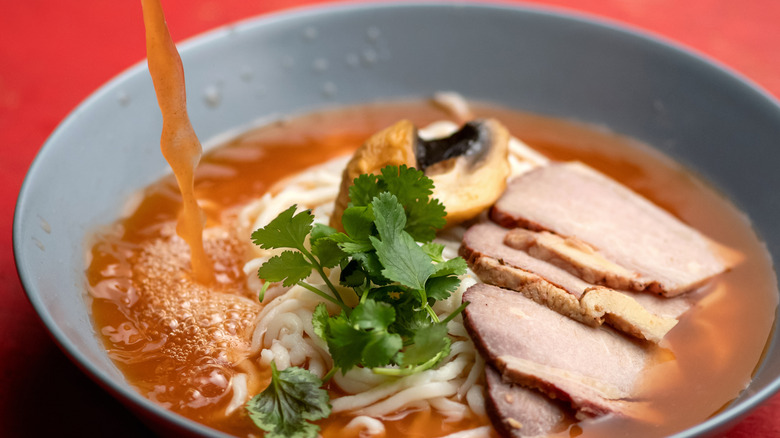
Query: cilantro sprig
point(289, 230)
point(292, 399)
point(387, 258)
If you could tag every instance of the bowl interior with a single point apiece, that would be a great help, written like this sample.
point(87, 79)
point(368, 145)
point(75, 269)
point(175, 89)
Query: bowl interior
point(700, 114)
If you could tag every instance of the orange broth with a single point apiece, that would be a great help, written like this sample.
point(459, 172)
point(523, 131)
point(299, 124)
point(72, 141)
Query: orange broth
point(717, 345)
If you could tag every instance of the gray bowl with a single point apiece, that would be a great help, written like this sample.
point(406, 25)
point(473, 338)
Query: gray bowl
point(703, 115)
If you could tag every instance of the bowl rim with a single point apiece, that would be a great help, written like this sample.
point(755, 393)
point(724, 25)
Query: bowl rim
point(136, 402)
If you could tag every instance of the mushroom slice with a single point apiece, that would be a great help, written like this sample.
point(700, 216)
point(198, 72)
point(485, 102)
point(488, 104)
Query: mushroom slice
point(469, 168)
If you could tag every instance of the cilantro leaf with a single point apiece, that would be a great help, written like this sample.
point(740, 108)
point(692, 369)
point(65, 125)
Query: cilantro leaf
point(319, 320)
point(345, 342)
point(431, 345)
point(292, 399)
point(413, 190)
point(327, 252)
point(289, 267)
point(288, 230)
point(350, 245)
point(425, 218)
point(428, 343)
point(358, 222)
point(440, 288)
point(319, 231)
point(403, 260)
point(456, 266)
point(362, 337)
point(364, 189)
point(392, 294)
point(371, 265)
point(434, 251)
point(380, 349)
point(409, 319)
point(407, 183)
point(373, 315)
point(352, 275)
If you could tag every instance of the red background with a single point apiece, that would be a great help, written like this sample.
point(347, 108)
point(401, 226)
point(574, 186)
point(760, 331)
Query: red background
point(53, 54)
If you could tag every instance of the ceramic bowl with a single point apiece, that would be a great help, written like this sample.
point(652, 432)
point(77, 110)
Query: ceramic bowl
point(700, 113)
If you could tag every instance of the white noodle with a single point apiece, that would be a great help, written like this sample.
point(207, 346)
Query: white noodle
point(453, 411)
point(366, 427)
point(279, 355)
point(317, 367)
point(404, 398)
point(359, 380)
point(479, 432)
point(286, 323)
point(476, 400)
point(449, 371)
point(476, 372)
point(240, 393)
point(277, 307)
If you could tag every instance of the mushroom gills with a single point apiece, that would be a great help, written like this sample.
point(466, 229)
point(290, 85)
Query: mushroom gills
point(469, 169)
point(469, 141)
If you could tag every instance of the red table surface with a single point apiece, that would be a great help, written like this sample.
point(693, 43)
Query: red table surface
point(53, 54)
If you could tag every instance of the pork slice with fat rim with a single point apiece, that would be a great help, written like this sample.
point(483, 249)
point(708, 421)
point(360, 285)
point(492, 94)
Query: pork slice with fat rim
point(520, 412)
point(654, 250)
point(596, 370)
point(494, 262)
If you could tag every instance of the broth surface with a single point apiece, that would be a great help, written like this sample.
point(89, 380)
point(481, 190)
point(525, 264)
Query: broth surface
point(717, 344)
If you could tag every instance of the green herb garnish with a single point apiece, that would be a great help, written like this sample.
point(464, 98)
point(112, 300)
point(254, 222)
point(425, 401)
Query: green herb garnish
point(292, 399)
point(387, 259)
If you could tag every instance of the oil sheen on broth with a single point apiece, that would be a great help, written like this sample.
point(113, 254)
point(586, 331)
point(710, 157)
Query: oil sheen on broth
point(716, 346)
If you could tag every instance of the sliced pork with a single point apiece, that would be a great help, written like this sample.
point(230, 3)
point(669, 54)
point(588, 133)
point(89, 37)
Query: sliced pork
point(517, 412)
point(596, 370)
point(654, 250)
point(650, 318)
point(574, 256)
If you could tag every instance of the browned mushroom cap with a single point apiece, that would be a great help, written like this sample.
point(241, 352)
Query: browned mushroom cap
point(469, 168)
point(391, 146)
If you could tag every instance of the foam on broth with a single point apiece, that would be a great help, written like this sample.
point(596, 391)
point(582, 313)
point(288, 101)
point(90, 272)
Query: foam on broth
point(717, 345)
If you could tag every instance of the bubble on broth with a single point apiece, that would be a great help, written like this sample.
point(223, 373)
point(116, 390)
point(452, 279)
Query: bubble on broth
point(192, 334)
